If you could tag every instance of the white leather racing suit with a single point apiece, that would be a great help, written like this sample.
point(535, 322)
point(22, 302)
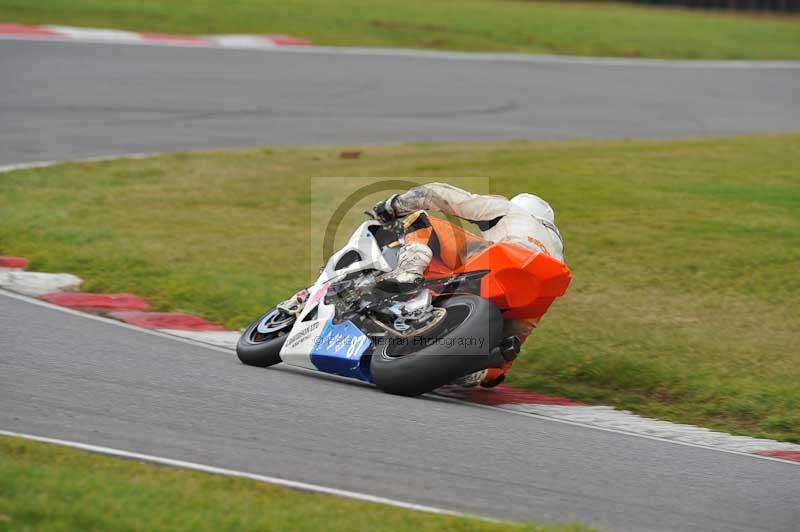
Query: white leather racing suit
point(498, 219)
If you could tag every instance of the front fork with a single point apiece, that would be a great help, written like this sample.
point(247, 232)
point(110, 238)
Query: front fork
point(295, 304)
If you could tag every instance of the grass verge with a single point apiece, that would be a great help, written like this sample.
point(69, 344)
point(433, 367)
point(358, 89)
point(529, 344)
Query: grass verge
point(599, 29)
point(685, 303)
point(51, 488)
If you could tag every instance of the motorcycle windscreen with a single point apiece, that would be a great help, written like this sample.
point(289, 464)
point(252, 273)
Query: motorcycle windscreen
point(339, 349)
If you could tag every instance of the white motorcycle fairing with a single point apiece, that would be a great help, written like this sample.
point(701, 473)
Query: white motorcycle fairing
point(315, 341)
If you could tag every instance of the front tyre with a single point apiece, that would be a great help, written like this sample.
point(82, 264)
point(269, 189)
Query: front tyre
point(260, 344)
point(461, 344)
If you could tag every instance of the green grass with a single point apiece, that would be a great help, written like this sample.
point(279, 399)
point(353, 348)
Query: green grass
point(685, 303)
point(50, 488)
point(604, 29)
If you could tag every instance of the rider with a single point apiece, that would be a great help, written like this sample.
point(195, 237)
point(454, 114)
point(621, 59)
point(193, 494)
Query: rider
point(526, 220)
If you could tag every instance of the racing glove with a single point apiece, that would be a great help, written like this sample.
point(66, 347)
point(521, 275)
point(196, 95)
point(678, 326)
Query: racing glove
point(386, 210)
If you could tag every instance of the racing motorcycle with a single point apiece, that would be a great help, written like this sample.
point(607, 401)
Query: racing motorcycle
point(412, 341)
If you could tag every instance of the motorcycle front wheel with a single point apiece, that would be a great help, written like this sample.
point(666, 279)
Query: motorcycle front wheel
point(459, 345)
point(260, 344)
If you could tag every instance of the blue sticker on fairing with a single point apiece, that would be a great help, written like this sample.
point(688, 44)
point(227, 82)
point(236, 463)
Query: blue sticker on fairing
point(339, 349)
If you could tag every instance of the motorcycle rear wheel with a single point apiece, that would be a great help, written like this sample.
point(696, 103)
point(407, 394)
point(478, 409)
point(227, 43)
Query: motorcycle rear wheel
point(460, 345)
point(262, 348)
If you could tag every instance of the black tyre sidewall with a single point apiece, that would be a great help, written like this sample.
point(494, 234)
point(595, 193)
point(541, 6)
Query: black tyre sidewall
point(260, 354)
point(435, 365)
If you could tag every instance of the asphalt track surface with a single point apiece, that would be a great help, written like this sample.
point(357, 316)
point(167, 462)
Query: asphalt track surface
point(73, 100)
point(65, 376)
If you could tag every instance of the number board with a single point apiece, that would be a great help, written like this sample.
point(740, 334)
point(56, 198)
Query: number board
point(338, 349)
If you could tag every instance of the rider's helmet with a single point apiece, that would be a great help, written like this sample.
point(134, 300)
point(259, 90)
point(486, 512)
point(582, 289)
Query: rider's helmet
point(535, 206)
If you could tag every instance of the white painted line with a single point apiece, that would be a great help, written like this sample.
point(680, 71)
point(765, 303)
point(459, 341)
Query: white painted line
point(449, 56)
point(225, 339)
point(38, 283)
point(546, 59)
point(615, 431)
point(631, 423)
point(95, 34)
point(242, 41)
point(102, 158)
point(293, 484)
point(109, 321)
point(439, 397)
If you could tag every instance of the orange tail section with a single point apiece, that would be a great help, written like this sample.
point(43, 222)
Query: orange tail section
point(522, 283)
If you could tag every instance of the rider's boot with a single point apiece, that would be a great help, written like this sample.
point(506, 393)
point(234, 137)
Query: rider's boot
point(411, 263)
point(495, 376)
point(471, 380)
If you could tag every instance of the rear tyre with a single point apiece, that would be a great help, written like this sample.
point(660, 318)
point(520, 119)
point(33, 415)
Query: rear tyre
point(260, 344)
point(461, 344)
